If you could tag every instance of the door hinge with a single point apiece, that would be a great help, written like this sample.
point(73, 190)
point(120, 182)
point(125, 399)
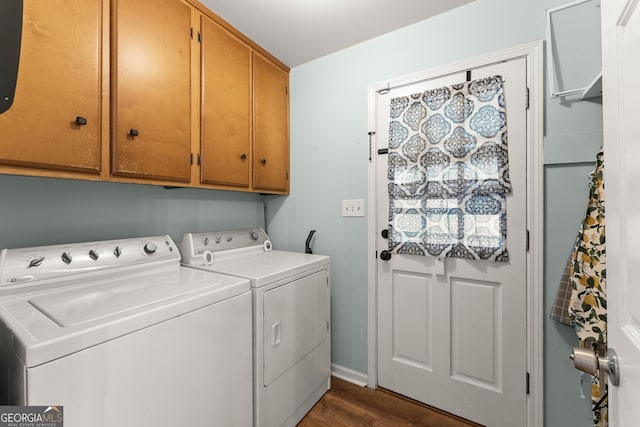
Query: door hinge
point(527, 239)
point(199, 160)
point(526, 97)
point(199, 37)
point(376, 254)
point(528, 383)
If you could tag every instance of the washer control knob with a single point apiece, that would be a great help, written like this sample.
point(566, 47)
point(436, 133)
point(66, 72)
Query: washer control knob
point(66, 258)
point(254, 235)
point(93, 255)
point(150, 248)
point(35, 262)
point(117, 251)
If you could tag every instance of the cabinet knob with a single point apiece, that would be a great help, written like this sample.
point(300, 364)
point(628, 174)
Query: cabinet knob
point(81, 121)
point(243, 156)
point(133, 132)
point(263, 161)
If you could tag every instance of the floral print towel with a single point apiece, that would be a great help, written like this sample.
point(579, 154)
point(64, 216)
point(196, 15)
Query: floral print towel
point(588, 273)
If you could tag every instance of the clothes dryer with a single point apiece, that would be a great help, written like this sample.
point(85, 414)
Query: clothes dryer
point(119, 334)
point(291, 312)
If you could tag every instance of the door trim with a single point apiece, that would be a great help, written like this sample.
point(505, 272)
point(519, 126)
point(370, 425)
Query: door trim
point(533, 52)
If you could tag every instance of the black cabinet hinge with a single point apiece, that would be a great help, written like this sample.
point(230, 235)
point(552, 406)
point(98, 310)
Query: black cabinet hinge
point(527, 97)
point(286, 175)
point(191, 33)
point(199, 37)
point(191, 158)
point(286, 90)
point(199, 160)
point(528, 383)
point(527, 244)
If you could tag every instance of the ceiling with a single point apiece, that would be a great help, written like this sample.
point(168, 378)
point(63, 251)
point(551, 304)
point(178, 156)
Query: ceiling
point(299, 31)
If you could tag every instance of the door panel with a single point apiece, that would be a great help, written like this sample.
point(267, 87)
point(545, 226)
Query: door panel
point(226, 107)
point(411, 319)
point(621, 88)
point(475, 332)
point(295, 322)
point(271, 126)
point(465, 319)
point(59, 79)
point(151, 89)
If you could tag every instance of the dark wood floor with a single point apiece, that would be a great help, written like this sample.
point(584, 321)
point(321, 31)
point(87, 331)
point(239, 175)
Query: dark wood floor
point(349, 405)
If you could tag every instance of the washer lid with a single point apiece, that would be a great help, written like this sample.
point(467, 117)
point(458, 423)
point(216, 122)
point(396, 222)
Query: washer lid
point(80, 305)
point(54, 324)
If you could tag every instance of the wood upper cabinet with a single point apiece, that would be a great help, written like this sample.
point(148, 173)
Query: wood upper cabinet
point(55, 121)
point(271, 126)
point(151, 89)
point(225, 107)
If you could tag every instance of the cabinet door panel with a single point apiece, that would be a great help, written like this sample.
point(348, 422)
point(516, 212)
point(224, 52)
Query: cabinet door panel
point(59, 79)
point(151, 89)
point(271, 127)
point(226, 107)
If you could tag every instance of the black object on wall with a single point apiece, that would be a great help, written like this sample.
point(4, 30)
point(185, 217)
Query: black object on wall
point(10, 40)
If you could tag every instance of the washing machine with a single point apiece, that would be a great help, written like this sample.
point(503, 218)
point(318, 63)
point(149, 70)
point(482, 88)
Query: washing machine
point(291, 327)
point(118, 334)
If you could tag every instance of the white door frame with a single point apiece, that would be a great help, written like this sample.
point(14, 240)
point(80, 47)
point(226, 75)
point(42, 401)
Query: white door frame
point(533, 52)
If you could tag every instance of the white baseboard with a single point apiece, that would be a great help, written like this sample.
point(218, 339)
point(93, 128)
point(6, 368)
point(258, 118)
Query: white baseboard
point(349, 375)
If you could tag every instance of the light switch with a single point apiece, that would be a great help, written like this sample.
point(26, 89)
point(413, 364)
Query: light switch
point(354, 207)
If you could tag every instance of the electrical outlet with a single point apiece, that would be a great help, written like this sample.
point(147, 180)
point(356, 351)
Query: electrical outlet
point(354, 207)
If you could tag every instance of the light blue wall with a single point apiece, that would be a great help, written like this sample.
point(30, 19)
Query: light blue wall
point(44, 211)
point(329, 157)
point(329, 164)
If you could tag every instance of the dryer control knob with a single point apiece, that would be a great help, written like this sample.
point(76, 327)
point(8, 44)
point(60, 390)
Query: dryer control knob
point(150, 248)
point(93, 255)
point(66, 258)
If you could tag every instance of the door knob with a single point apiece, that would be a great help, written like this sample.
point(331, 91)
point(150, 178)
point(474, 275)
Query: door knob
point(385, 234)
point(385, 255)
point(587, 361)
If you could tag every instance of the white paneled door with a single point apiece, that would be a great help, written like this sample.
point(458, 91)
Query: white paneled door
point(452, 333)
point(621, 91)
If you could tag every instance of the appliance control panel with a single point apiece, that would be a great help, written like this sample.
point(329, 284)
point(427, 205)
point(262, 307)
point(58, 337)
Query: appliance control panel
point(26, 265)
point(200, 245)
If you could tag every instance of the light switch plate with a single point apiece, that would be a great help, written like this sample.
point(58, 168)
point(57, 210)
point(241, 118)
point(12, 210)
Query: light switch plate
point(354, 207)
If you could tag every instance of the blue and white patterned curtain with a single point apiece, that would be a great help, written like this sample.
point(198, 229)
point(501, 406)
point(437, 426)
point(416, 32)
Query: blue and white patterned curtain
point(448, 172)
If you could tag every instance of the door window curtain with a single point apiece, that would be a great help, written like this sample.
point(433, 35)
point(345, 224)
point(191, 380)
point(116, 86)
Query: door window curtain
point(448, 172)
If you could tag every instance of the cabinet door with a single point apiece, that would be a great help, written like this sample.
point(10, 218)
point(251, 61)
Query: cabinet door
point(151, 89)
point(59, 79)
point(271, 126)
point(226, 107)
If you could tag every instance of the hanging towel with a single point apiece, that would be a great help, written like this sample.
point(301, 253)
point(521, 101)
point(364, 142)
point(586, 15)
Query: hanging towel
point(560, 309)
point(588, 306)
point(448, 172)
